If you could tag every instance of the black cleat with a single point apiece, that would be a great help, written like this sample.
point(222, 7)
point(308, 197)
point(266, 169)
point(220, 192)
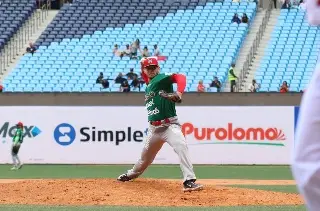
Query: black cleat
point(123, 178)
point(190, 185)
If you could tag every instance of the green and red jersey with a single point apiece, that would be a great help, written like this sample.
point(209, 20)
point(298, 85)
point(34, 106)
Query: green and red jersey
point(160, 108)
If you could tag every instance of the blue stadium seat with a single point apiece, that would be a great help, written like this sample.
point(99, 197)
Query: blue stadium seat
point(70, 61)
point(292, 45)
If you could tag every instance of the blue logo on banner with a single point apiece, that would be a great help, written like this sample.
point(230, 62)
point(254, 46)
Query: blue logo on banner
point(64, 134)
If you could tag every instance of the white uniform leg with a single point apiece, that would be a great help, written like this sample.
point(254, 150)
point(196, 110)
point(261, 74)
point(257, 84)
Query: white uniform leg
point(175, 138)
point(151, 148)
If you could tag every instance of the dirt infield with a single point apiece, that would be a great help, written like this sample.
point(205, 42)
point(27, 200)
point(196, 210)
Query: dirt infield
point(141, 192)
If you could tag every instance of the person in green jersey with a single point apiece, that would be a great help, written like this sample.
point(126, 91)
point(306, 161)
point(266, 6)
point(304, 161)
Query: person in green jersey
point(164, 126)
point(17, 141)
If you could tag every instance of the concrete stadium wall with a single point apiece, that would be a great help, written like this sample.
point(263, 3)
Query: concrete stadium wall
point(137, 99)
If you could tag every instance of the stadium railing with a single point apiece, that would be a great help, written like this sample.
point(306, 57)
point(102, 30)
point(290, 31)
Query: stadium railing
point(11, 49)
point(255, 45)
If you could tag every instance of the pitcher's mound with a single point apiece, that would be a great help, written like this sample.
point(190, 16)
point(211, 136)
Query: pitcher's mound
point(141, 192)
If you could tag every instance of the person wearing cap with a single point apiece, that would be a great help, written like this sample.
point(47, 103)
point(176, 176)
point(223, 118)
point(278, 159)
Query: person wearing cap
point(164, 126)
point(17, 141)
point(232, 77)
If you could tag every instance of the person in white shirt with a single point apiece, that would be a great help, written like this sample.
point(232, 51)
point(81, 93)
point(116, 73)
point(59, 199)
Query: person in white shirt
point(127, 51)
point(156, 51)
point(254, 86)
point(306, 153)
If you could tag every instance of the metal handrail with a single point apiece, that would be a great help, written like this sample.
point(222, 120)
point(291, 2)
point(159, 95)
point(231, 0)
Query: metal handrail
point(29, 27)
point(255, 46)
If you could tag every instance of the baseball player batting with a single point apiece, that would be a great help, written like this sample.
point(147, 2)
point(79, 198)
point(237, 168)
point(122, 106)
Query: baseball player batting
point(306, 153)
point(164, 126)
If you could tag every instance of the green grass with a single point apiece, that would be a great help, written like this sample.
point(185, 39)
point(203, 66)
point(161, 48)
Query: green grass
point(276, 188)
point(100, 208)
point(154, 171)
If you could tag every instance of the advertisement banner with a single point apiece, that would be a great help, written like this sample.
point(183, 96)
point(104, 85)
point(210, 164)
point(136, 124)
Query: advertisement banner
point(115, 135)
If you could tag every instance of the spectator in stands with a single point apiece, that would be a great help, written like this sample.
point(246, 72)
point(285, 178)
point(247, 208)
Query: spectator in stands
point(286, 4)
point(131, 74)
point(1, 88)
point(145, 52)
point(127, 51)
point(254, 87)
point(116, 51)
point(295, 3)
point(31, 49)
point(284, 87)
point(141, 81)
point(134, 48)
point(275, 4)
point(232, 77)
point(216, 83)
point(302, 5)
point(236, 19)
point(201, 87)
point(137, 43)
point(135, 83)
point(119, 79)
point(105, 83)
point(125, 86)
point(156, 51)
point(100, 78)
point(244, 18)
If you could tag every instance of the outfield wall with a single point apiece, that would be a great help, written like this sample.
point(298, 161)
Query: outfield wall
point(114, 134)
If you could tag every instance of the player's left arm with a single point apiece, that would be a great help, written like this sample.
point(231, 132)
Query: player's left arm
point(181, 81)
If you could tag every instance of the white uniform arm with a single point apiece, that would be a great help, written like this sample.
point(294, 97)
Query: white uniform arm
point(306, 154)
point(313, 12)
